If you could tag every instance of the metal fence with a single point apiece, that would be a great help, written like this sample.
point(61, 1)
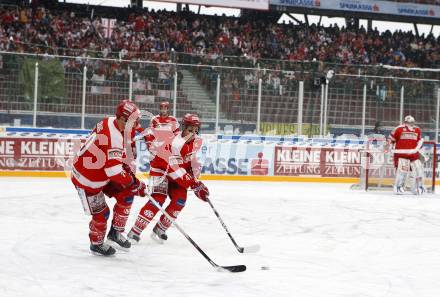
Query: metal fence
point(231, 95)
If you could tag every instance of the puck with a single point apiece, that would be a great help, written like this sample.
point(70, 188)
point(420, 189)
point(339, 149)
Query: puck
point(264, 267)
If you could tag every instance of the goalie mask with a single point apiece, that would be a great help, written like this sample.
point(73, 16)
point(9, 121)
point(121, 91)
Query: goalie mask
point(410, 121)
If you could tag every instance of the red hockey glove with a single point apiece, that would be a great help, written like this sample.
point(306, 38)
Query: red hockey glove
point(200, 190)
point(138, 188)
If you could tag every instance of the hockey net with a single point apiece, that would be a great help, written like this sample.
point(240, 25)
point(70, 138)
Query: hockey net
point(377, 167)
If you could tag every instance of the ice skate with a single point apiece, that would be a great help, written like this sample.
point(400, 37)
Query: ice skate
point(102, 249)
point(159, 235)
point(118, 238)
point(133, 237)
point(399, 190)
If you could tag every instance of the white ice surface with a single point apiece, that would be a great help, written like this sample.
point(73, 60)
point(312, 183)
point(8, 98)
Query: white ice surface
point(317, 239)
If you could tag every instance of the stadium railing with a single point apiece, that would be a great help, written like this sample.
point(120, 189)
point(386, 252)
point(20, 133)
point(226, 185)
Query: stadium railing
point(236, 95)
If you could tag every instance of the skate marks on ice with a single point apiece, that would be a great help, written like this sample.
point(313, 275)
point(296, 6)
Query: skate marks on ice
point(316, 240)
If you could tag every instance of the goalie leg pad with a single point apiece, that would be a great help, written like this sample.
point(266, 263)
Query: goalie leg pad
point(417, 168)
point(418, 172)
point(403, 169)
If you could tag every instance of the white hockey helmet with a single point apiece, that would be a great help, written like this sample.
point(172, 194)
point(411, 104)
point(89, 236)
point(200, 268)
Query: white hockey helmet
point(409, 120)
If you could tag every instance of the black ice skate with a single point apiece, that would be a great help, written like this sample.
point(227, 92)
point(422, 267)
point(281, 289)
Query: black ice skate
point(118, 238)
point(133, 237)
point(102, 249)
point(399, 190)
point(159, 235)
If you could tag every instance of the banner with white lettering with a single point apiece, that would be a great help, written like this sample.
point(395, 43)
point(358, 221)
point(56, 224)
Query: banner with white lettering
point(216, 156)
point(317, 161)
point(382, 7)
point(39, 154)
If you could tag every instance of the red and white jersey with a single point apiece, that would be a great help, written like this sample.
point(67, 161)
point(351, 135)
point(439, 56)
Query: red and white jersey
point(181, 160)
point(407, 141)
point(160, 134)
point(167, 123)
point(100, 158)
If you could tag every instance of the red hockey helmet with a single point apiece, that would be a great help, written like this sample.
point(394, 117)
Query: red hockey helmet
point(190, 120)
point(125, 109)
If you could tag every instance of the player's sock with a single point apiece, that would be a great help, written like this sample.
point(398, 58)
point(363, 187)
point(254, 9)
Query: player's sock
point(117, 237)
point(102, 249)
point(173, 209)
point(121, 212)
point(144, 218)
point(139, 226)
point(98, 227)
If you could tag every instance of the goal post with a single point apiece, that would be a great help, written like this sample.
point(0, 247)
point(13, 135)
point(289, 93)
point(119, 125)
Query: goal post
point(377, 167)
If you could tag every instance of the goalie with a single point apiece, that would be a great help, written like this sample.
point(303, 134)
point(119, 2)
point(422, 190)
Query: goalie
point(407, 141)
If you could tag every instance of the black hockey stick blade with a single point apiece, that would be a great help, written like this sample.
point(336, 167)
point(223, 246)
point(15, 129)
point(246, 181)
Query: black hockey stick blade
point(236, 268)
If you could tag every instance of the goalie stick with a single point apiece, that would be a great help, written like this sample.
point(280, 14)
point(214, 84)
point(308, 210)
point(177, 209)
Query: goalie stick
point(235, 268)
point(249, 249)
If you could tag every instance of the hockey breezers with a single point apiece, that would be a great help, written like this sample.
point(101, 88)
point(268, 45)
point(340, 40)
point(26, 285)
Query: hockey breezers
point(236, 268)
point(249, 249)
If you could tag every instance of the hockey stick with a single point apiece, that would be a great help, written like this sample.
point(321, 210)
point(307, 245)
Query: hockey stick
point(235, 268)
point(249, 249)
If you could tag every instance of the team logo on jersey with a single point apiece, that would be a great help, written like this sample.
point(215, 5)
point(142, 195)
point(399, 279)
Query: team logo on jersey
point(148, 214)
point(115, 154)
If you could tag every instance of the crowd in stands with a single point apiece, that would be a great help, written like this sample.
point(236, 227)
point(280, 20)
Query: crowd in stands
point(157, 35)
point(191, 38)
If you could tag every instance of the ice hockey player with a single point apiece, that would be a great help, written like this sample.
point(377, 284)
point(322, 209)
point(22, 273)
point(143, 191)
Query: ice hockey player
point(171, 174)
point(101, 168)
point(407, 141)
point(163, 120)
point(161, 131)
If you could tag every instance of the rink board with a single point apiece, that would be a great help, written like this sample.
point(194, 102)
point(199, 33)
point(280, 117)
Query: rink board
point(61, 174)
point(35, 152)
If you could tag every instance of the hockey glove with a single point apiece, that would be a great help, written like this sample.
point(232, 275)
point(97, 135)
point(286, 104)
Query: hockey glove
point(200, 190)
point(139, 188)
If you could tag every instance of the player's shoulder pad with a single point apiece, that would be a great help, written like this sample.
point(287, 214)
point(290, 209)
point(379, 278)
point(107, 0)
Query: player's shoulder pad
point(197, 143)
point(177, 144)
point(116, 139)
point(154, 119)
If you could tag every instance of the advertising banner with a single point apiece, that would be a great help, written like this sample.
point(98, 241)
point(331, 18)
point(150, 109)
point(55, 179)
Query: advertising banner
point(318, 161)
point(382, 7)
point(218, 156)
point(248, 4)
point(37, 154)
